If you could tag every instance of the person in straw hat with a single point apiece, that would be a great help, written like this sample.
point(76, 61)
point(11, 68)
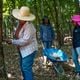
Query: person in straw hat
point(25, 40)
point(76, 42)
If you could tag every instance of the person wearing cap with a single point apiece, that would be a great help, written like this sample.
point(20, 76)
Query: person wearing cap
point(76, 42)
point(25, 40)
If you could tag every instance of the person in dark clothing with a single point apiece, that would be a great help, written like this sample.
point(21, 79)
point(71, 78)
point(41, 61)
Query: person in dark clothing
point(46, 32)
point(76, 42)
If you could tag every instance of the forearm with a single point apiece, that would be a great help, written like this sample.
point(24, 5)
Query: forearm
point(20, 42)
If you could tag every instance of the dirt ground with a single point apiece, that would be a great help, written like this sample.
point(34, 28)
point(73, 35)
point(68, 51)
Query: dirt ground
point(41, 72)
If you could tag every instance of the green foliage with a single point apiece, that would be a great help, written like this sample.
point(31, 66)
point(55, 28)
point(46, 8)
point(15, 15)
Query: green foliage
point(63, 8)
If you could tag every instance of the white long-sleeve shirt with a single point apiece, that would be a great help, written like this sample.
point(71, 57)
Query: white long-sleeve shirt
point(27, 40)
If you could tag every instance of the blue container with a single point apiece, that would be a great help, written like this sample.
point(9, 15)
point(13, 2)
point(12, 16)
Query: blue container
point(55, 55)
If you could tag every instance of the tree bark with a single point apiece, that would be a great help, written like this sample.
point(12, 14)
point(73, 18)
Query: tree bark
point(3, 74)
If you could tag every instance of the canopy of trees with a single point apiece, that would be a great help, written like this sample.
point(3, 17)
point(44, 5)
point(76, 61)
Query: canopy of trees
point(58, 11)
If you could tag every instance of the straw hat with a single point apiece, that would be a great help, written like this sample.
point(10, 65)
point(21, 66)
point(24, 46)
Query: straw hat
point(23, 14)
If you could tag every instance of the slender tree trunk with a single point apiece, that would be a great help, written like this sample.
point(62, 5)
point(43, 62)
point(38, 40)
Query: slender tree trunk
point(57, 16)
point(3, 75)
point(36, 11)
point(42, 8)
point(60, 20)
point(37, 18)
point(77, 6)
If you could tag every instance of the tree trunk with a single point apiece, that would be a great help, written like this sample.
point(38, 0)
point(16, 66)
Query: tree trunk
point(42, 8)
point(3, 74)
point(77, 6)
point(57, 22)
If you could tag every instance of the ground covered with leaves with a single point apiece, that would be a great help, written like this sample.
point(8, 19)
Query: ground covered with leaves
point(41, 72)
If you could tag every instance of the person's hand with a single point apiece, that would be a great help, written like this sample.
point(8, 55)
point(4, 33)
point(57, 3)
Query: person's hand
point(9, 41)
